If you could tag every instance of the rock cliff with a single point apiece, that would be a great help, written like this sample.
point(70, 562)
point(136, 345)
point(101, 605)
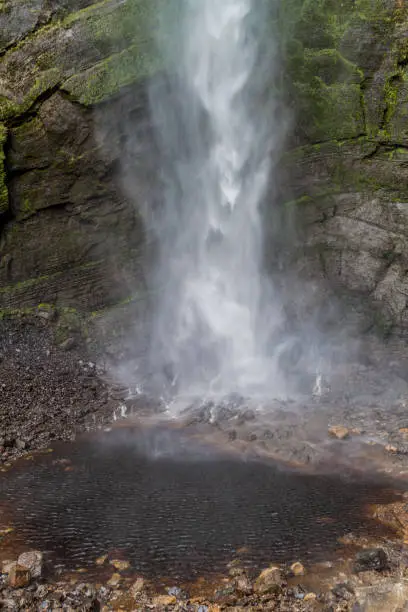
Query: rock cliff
point(72, 86)
point(348, 165)
point(68, 234)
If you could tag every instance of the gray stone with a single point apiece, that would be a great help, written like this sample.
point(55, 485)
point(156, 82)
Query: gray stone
point(32, 560)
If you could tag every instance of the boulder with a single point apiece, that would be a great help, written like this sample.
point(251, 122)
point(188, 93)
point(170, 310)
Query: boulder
point(33, 561)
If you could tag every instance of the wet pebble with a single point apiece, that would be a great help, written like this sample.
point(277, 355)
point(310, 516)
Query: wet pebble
point(297, 569)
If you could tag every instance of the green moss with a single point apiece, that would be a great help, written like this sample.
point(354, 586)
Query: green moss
point(44, 81)
point(395, 123)
point(15, 313)
point(330, 66)
point(391, 97)
point(106, 78)
point(31, 282)
point(4, 199)
point(27, 208)
point(322, 23)
point(329, 112)
point(46, 307)
point(329, 50)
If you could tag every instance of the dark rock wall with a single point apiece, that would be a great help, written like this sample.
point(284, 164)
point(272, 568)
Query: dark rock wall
point(72, 98)
point(77, 160)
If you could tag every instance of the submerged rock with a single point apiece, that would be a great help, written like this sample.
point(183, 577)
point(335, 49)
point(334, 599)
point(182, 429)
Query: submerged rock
point(225, 594)
point(343, 591)
point(101, 560)
point(310, 597)
point(68, 344)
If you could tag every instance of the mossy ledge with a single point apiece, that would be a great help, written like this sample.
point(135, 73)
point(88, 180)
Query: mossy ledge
point(108, 44)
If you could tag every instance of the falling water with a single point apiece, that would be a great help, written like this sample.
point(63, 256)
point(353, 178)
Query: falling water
point(219, 134)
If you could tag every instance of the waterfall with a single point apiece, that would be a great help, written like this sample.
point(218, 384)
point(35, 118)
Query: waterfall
point(215, 112)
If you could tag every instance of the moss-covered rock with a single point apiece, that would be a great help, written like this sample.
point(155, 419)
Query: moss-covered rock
point(395, 127)
point(332, 49)
point(348, 80)
point(108, 77)
point(4, 201)
point(329, 111)
point(57, 51)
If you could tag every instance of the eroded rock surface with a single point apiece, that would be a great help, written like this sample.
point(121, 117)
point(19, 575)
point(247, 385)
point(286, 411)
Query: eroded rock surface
point(69, 231)
point(77, 154)
point(348, 166)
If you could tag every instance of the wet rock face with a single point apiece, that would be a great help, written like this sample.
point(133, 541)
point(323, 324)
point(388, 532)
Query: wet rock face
point(72, 235)
point(75, 157)
point(347, 64)
point(77, 153)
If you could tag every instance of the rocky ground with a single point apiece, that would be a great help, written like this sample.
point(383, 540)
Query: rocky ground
point(52, 386)
point(376, 579)
point(49, 386)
